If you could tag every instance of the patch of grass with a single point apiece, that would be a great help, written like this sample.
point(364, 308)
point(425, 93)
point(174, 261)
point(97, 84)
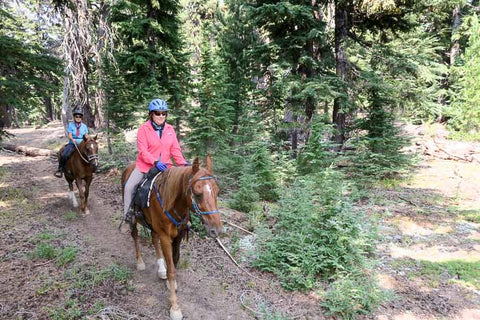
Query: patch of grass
point(3, 173)
point(268, 314)
point(21, 200)
point(70, 215)
point(45, 251)
point(49, 285)
point(462, 272)
point(457, 271)
point(97, 307)
point(70, 310)
point(352, 295)
point(66, 255)
point(393, 183)
point(471, 215)
point(46, 236)
point(84, 277)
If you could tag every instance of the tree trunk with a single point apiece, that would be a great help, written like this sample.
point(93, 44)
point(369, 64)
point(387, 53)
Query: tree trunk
point(456, 21)
point(76, 45)
point(66, 115)
point(102, 36)
point(48, 108)
point(30, 151)
point(339, 106)
point(4, 119)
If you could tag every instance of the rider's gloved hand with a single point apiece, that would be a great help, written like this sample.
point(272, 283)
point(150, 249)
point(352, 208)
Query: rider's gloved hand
point(160, 166)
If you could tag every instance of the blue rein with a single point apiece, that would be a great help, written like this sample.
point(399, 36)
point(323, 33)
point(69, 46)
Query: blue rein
point(196, 208)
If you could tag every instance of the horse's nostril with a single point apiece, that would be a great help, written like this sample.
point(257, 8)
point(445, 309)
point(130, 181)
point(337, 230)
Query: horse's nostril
point(213, 233)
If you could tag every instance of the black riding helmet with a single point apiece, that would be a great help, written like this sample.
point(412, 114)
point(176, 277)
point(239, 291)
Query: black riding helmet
point(78, 111)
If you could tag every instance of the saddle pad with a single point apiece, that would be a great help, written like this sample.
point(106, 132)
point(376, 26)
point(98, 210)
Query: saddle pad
point(142, 194)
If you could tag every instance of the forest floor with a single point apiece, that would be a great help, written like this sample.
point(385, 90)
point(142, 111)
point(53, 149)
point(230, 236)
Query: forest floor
point(56, 263)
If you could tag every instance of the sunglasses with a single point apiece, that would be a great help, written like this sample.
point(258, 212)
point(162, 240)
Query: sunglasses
point(160, 113)
point(78, 117)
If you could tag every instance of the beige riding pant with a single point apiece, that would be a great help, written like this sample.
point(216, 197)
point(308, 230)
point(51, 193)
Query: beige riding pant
point(130, 187)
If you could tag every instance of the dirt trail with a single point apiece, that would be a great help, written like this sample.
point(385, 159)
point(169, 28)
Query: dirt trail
point(210, 286)
point(432, 217)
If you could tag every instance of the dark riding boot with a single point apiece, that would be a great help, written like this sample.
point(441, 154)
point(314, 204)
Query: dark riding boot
point(59, 171)
point(61, 164)
point(128, 222)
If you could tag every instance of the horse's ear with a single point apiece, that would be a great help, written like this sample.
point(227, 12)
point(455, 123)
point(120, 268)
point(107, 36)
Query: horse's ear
point(209, 163)
point(95, 137)
point(195, 165)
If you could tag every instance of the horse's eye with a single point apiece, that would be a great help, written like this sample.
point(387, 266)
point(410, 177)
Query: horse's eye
point(198, 195)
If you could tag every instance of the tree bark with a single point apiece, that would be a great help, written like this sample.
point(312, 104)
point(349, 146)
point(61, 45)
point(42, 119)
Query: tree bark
point(339, 106)
point(30, 151)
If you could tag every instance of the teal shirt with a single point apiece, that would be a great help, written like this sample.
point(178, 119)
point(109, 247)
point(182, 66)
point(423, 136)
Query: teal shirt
point(83, 130)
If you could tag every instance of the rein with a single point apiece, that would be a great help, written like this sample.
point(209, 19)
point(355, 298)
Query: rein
point(181, 222)
point(89, 157)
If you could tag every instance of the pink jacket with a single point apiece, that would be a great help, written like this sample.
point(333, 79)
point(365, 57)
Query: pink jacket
point(150, 147)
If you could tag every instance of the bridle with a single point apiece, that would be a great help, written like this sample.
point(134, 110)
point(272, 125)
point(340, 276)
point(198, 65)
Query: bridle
point(182, 222)
point(195, 206)
point(90, 157)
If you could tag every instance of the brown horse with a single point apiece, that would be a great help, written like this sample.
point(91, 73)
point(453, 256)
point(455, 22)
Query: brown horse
point(81, 166)
point(176, 192)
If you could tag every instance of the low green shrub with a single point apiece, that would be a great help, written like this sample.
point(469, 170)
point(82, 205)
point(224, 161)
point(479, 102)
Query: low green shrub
point(353, 294)
point(317, 233)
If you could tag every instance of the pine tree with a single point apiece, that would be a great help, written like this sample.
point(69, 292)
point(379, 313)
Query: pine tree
point(28, 72)
point(465, 109)
point(149, 59)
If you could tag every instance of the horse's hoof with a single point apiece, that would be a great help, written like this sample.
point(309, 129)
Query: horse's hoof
point(168, 285)
point(141, 266)
point(162, 270)
point(176, 314)
point(86, 212)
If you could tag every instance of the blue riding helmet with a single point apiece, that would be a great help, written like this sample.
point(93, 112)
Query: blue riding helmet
point(157, 105)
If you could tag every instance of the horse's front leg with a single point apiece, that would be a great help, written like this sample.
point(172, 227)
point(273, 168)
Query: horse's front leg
point(175, 311)
point(88, 181)
point(140, 263)
point(71, 194)
point(162, 269)
point(81, 193)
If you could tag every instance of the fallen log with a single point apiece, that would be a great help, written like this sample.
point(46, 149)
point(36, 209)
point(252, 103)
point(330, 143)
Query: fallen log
point(30, 151)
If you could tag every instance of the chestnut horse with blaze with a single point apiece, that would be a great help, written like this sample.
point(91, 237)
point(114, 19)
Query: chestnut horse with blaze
point(175, 193)
point(80, 168)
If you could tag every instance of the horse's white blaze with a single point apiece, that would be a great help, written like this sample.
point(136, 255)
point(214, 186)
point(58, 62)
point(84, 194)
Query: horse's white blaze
point(72, 197)
point(162, 269)
point(209, 190)
point(91, 145)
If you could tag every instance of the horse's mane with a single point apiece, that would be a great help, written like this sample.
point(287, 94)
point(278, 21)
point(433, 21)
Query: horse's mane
point(173, 183)
point(81, 145)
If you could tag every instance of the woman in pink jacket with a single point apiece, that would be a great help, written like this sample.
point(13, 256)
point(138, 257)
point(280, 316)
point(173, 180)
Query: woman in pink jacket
point(157, 143)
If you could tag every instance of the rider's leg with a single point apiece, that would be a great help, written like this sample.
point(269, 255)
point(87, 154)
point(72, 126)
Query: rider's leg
point(129, 190)
point(62, 159)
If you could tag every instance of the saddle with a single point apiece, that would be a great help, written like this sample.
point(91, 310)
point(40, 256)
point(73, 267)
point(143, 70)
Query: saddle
point(142, 195)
